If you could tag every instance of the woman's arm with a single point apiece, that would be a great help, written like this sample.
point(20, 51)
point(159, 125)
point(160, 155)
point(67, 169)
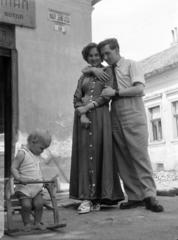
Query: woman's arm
point(86, 108)
point(78, 95)
point(98, 72)
point(101, 99)
point(105, 99)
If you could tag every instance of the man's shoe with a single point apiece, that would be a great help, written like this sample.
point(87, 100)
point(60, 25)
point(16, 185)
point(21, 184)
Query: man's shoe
point(131, 204)
point(153, 205)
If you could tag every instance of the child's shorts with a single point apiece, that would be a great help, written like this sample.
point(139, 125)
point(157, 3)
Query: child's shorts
point(21, 195)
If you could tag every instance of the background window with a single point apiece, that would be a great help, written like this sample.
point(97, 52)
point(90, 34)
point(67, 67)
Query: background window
point(175, 118)
point(156, 126)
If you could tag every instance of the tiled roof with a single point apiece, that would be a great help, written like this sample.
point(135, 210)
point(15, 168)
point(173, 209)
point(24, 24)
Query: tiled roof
point(160, 62)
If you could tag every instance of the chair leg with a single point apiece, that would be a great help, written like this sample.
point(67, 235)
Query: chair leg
point(51, 191)
point(8, 205)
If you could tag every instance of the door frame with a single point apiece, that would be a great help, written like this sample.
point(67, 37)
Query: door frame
point(7, 44)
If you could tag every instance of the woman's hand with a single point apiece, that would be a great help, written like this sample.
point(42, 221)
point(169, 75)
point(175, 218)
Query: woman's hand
point(84, 121)
point(100, 74)
point(81, 110)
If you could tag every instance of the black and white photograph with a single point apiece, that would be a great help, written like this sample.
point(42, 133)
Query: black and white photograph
point(89, 119)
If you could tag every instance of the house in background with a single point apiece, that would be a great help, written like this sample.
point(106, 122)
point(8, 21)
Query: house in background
point(161, 102)
point(40, 64)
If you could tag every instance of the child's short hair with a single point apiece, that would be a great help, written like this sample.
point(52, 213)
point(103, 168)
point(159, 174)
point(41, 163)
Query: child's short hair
point(40, 135)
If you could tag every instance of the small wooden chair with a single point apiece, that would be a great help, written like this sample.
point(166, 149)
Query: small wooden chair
point(12, 204)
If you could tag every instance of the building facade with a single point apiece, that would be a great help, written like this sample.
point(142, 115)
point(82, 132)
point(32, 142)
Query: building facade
point(161, 102)
point(41, 62)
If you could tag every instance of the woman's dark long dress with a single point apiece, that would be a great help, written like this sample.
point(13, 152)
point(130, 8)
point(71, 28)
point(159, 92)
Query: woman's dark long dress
point(94, 174)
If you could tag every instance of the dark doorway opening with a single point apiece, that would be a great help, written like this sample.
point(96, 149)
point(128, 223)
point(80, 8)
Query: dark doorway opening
point(6, 108)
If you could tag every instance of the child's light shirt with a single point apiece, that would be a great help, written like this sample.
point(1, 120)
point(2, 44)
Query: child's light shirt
point(30, 168)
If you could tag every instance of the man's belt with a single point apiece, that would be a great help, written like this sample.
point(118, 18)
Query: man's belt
point(119, 97)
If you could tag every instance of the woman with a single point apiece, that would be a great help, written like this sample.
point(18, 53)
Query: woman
point(94, 178)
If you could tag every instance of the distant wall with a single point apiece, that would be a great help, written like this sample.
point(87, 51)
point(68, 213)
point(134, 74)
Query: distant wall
point(49, 66)
point(162, 90)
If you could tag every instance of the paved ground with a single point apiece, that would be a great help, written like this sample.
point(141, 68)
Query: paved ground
point(110, 223)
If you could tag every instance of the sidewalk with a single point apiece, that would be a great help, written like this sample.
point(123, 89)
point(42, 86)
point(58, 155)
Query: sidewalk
point(110, 223)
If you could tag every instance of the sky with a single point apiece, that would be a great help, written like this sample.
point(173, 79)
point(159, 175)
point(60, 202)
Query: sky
point(142, 27)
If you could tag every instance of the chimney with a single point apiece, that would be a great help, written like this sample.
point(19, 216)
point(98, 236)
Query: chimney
point(173, 36)
point(176, 34)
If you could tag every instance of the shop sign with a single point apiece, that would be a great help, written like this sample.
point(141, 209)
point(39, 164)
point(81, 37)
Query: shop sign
point(59, 17)
point(59, 28)
point(18, 12)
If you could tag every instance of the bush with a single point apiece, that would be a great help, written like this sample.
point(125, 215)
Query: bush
point(171, 193)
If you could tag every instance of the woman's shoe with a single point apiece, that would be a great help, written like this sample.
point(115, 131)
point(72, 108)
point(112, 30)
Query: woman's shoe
point(85, 207)
point(96, 207)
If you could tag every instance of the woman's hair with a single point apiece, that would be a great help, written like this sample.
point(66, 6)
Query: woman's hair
point(40, 135)
point(86, 50)
point(112, 42)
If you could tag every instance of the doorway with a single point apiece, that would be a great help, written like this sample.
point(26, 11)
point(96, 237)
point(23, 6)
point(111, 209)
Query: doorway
point(8, 97)
point(5, 112)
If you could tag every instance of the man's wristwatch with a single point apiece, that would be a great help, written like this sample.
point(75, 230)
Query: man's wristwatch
point(117, 93)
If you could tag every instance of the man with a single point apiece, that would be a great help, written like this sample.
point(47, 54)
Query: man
point(129, 128)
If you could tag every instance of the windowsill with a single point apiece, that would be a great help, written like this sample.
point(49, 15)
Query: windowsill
point(174, 140)
point(157, 143)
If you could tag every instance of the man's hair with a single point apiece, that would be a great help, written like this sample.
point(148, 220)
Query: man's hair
point(86, 50)
point(112, 42)
point(40, 135)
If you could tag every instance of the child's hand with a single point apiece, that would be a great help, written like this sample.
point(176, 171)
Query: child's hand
point(24, 181)
point(84, 121)
point(81, 110)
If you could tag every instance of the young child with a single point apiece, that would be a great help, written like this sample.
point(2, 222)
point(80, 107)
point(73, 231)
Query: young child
point(25, 168)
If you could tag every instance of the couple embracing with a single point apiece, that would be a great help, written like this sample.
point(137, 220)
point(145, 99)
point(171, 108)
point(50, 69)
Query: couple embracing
point(108, 144)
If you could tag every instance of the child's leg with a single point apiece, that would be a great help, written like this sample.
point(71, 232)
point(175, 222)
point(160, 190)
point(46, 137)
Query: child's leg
point(38, 208)
point(26, 205)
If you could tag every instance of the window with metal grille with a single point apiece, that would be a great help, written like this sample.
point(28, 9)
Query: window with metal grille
point(156, 124)
point(175, 118)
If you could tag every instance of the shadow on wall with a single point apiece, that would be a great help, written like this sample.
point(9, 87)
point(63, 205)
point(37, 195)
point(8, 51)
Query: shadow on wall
point(56, 166)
